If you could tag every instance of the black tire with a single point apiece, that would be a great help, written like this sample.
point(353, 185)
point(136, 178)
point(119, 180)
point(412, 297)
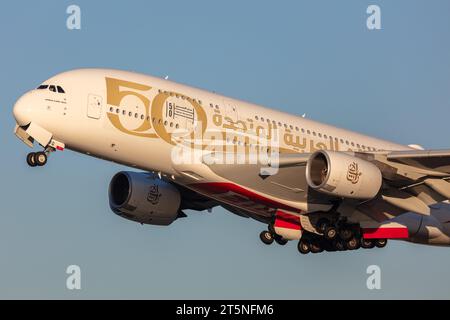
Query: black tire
point(266, 237)
point(353, 243)
point(316, 246)
point(328, 246)
point(40, 158)
point(367, 243)
point(304, 247)
point(339, 245)
point(280, 240)
point(331, 233)
point(381, 243)
point(322, 225)
point(31, 159)
point(346, 233)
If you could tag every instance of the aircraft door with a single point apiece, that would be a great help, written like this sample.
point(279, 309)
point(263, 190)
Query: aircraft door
point(94, 107)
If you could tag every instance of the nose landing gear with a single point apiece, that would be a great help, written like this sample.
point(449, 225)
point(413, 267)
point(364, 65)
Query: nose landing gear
point(38, 159)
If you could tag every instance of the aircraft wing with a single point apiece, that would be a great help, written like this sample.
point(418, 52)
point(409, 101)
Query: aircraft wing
point(412, 181)
point(433, 160)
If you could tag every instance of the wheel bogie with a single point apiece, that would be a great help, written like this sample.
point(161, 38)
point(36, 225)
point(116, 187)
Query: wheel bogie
point(36, 159)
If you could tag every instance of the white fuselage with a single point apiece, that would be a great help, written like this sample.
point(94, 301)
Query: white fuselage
point(73, 118)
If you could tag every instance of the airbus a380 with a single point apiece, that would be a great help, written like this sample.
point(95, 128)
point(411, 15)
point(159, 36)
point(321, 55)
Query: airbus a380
point(325, 188)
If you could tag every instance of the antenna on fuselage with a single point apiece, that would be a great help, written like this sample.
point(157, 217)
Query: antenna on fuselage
point(304, 115)
point(166, 77)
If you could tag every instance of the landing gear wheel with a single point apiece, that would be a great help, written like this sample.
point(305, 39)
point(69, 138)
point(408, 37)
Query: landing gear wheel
point(339, 245)
point(31, 159)
point(330, 233)
point(346, 233)
point(328, 246)
point(280, 240)
point(316, 246)
point(266, 237)
point(304, 247)
point(380, 243)
point(353, 244)
point(322, 225)
point(40, 158)
point(367, 243)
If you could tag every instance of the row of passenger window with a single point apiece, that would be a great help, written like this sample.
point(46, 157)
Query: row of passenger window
point(318, 134)
point(180, 96)
point(306, 131)
point(142, 117)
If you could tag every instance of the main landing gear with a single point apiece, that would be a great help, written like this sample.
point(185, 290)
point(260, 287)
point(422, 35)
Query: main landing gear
point(38, 159)
point(345, 240)
point(333, 238)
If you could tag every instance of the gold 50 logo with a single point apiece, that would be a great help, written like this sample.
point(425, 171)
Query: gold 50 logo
point(153, 120)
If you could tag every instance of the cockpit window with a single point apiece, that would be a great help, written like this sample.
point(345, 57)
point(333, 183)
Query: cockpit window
point(42, 87)
point(60, 90)
point(52, 88)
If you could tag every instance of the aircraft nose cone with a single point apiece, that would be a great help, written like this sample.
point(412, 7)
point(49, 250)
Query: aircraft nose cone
point(22, 111)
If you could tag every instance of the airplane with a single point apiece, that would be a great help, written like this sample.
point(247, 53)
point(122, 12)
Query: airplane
point(328, 189)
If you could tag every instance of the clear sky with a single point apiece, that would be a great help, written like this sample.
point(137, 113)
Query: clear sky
point(313, 57)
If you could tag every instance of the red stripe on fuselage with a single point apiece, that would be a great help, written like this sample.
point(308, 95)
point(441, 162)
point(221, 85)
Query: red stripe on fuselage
point(224, 187)
point(385, 233)
point(288, 221)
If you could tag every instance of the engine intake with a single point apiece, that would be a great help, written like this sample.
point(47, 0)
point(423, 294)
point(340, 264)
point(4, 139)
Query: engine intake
point(144, 198)
point(340, 174)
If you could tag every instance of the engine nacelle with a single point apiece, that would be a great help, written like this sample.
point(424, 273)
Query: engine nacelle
point(143, 198)
point(343, 175)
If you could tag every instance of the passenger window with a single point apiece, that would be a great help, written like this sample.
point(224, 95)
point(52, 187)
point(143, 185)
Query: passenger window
point(52, 88)
point(60, 90)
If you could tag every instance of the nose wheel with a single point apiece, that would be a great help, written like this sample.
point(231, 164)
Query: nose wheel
point(37, 159)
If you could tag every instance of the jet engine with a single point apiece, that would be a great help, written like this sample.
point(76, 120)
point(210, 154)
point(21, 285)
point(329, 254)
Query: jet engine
point(143, 198)
point(342, 175)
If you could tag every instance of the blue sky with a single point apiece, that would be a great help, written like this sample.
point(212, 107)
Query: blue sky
point(313, 57)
